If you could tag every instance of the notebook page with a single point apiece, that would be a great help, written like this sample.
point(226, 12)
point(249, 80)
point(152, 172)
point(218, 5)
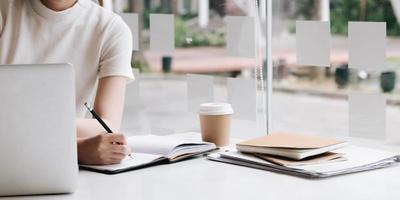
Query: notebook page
point(356, 157)
point(190, 148)
point(152, 144)
point(138, 160)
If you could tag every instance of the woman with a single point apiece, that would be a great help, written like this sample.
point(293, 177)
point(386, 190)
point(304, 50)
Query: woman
point(98, 45)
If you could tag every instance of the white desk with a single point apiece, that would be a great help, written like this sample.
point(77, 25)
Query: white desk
point(203, 179)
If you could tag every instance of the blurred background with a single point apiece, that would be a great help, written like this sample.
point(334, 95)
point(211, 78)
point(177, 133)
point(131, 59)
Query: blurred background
point(305, 98)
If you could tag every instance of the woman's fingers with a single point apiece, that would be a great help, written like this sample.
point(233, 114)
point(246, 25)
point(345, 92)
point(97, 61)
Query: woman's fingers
point(118, 156)
point(116, 138)
point(103, 149)
point(114, 161)
point(111, 148)
point(121, 149)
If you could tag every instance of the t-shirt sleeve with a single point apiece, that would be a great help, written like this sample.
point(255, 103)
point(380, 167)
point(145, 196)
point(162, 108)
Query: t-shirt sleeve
point(116, 55)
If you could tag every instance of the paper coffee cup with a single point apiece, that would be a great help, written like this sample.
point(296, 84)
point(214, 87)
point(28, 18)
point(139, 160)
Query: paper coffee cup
point(215, 123)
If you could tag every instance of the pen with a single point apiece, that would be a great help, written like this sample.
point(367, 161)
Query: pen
point(98, 118)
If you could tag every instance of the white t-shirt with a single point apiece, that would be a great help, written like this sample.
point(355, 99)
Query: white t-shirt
point(95, 41)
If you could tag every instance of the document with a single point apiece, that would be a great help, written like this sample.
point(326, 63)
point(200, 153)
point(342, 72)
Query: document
point(358, 159)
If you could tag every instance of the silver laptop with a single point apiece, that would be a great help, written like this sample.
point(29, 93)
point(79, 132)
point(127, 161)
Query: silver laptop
point(37, 129)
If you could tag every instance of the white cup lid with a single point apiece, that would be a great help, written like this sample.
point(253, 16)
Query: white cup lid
point(215, 108)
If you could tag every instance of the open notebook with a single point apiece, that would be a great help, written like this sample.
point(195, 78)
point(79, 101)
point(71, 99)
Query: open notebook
point(152, 150)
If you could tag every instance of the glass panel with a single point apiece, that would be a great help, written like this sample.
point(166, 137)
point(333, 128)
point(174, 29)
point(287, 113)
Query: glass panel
point(174, 83)
point(312, 99)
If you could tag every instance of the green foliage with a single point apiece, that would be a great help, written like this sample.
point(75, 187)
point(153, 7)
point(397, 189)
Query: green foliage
point(143, 67)
point(185, 37)
point(180, 32)
point(304, 9)
point(343, 11)
point(147, 12)
point(349, 10)
point(188, 16)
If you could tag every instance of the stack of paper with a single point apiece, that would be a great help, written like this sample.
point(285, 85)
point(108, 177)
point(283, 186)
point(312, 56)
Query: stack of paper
point(357, 159)
point(323, 158)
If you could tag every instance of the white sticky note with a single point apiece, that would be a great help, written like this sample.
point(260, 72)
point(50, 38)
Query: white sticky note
point(313, 43)
point(367, 115)
point(132, 20)
point(242, 97)
point(162, 32)
point(200, 89)
point(240, 36)
point(367, 45)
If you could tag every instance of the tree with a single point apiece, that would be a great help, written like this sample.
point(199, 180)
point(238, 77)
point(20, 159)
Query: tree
point(343, 11)
point(363, 9)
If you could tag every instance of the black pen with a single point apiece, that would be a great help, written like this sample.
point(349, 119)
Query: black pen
point(98, 118)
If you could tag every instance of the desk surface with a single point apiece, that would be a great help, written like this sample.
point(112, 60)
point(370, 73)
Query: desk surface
point(202, 179)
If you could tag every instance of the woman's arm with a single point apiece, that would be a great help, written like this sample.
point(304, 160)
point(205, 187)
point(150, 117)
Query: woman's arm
point(109, 105)
point(95, 147)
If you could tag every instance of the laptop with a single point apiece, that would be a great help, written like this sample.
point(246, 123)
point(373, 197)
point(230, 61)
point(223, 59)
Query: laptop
point(38, 152)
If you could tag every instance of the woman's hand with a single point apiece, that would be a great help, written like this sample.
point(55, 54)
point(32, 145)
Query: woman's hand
point(102, 149)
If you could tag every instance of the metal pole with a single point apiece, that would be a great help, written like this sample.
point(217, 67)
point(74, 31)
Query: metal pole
point(324, 10)
point(203, 13)
point(269, 66)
